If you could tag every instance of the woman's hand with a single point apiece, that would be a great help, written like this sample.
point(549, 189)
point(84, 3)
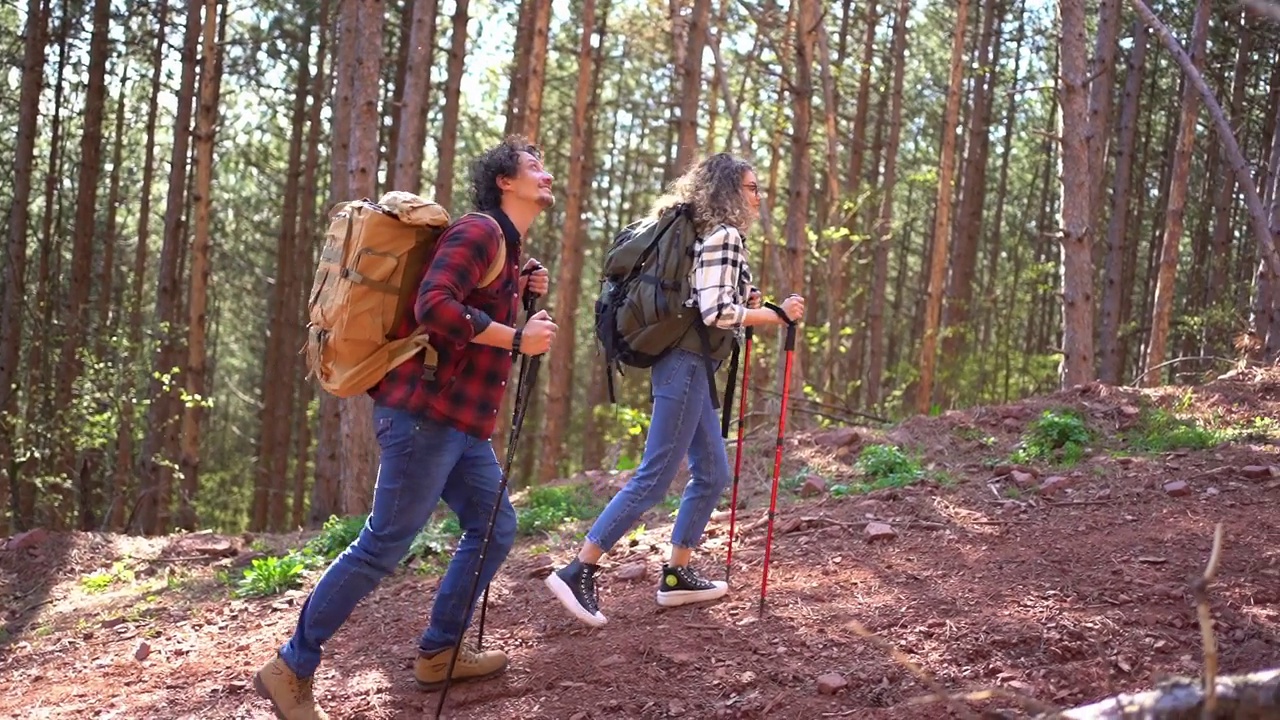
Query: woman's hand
point(793, 306)
point(755, 300)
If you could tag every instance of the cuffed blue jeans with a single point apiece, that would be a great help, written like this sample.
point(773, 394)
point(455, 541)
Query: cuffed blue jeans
point(421, 463)
point(684, 421)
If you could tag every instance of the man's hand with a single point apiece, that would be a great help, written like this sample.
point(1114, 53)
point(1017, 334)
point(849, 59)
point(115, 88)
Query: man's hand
point(755, 299)
point(534, 278)
point(538, 334)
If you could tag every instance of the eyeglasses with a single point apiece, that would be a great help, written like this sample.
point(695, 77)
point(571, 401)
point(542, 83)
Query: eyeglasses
point(752, 188)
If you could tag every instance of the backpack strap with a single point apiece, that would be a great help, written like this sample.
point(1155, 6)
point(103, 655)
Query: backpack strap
point(729, 390)
point(500, 260)
point(705, 336)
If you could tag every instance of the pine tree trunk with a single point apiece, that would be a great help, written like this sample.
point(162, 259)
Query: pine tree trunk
point(1102, 70)
point(1162, 308)
point(206, 119)
point(801, 174)
point(359, 447)
point(282, 341)
point(1114, 288)
point(569, 271)
point(327, 492)
point(448, 146)
point(15, 267)
point(415, 98)
point(537, 73)
point(155, 469)
point(76, 311)
point(884, 227)
point(324, 498)
point(844, 247)
point(1077, 236)
point(964, 255)
point(691, 86)
point(518, 85)
point(123, 476)
point(942, 222)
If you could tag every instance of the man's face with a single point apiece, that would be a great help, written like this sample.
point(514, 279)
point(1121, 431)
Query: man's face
point(531, 184)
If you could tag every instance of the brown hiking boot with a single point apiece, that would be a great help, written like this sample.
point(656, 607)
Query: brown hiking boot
point(430, 670)
point(290, 695)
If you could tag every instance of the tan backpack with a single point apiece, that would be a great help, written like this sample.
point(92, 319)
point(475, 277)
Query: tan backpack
point(366, 283)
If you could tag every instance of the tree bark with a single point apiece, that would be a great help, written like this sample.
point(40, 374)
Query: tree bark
point(884, 226)
point(76, 311)
point(206, 120)
point(156, 470)
point(691, 86)
point(964, 255)
point(1102, 70)
point(1114, 289)
point(569, 271)
point(15, 269)
point(537, 72)
point(1077, 237)
point(448, 146)
point(942, 221)
point(359, 447)
point(1252, 695)
point(1162, 307)
point(415, 99)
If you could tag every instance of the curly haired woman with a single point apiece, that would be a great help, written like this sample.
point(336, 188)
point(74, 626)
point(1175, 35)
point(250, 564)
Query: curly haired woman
point(725, 196)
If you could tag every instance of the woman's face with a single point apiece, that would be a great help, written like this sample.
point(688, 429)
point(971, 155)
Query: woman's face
point(751, 192)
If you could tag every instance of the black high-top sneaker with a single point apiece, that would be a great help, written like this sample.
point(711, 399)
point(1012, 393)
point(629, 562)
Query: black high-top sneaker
point(681, 585)
point(574, 585)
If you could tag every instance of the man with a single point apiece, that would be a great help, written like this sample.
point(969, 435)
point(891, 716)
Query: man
point(434, 435)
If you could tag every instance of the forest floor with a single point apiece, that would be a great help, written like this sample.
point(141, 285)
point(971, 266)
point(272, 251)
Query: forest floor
point(1063, 578)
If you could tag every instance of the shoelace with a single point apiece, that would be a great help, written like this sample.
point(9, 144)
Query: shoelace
point(587, 584)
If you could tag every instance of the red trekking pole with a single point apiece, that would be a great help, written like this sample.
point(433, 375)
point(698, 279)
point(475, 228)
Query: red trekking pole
point(737, 462)
point(777, 457)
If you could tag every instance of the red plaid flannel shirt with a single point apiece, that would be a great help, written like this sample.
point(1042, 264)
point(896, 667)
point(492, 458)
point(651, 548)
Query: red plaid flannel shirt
point(470, 378)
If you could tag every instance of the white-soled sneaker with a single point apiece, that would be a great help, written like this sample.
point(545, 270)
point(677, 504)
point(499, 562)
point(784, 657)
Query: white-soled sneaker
point(574, 585)
point(681, 585)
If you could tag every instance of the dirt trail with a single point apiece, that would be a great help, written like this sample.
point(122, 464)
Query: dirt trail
point(1068, 589)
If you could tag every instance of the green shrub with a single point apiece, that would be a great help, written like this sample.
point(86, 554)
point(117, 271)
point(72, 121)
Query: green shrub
point(270, 576)
point(547, 508)
point(1058, 435)
point(1160, 431)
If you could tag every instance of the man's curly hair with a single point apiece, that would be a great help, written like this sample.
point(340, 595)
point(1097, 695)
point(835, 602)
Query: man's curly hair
point(714, 188)
point(502, 160)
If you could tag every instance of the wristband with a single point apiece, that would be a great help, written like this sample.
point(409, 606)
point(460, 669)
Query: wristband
point(515, 341)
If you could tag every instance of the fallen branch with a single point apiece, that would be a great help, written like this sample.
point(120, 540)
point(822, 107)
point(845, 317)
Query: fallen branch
point(1255, 696)
point(1200, 590)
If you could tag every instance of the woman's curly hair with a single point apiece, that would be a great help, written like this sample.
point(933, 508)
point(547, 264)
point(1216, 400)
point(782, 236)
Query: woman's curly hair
point(502, 160)
point(714, 188)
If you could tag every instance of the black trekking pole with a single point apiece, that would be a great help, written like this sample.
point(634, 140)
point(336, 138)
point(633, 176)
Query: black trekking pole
point(777, 456)
point(527, 366)
point(737, 462)
point(528, 376)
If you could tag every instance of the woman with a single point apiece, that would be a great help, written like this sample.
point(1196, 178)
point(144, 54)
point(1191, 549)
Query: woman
point(725, 196)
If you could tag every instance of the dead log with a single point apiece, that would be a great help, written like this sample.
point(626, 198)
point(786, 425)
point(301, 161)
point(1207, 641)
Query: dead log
point(1252, 696)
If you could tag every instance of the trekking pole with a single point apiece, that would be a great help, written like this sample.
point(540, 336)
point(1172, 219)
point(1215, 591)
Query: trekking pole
point(777, 456)
point(528, 373)
point(527, 365)
point(737, 462)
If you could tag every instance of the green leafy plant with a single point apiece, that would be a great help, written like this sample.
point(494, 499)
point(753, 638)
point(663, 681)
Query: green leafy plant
point(1058, 435)
point(434, 539)
point(1159, 430)
point(101, 580)
point(882, 466)
point(270, 576)
point(547, 508)
point(336, 534)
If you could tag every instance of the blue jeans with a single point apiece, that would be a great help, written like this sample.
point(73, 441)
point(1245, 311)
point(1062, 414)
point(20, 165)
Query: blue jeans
point(422, 462)
point(684, 422)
